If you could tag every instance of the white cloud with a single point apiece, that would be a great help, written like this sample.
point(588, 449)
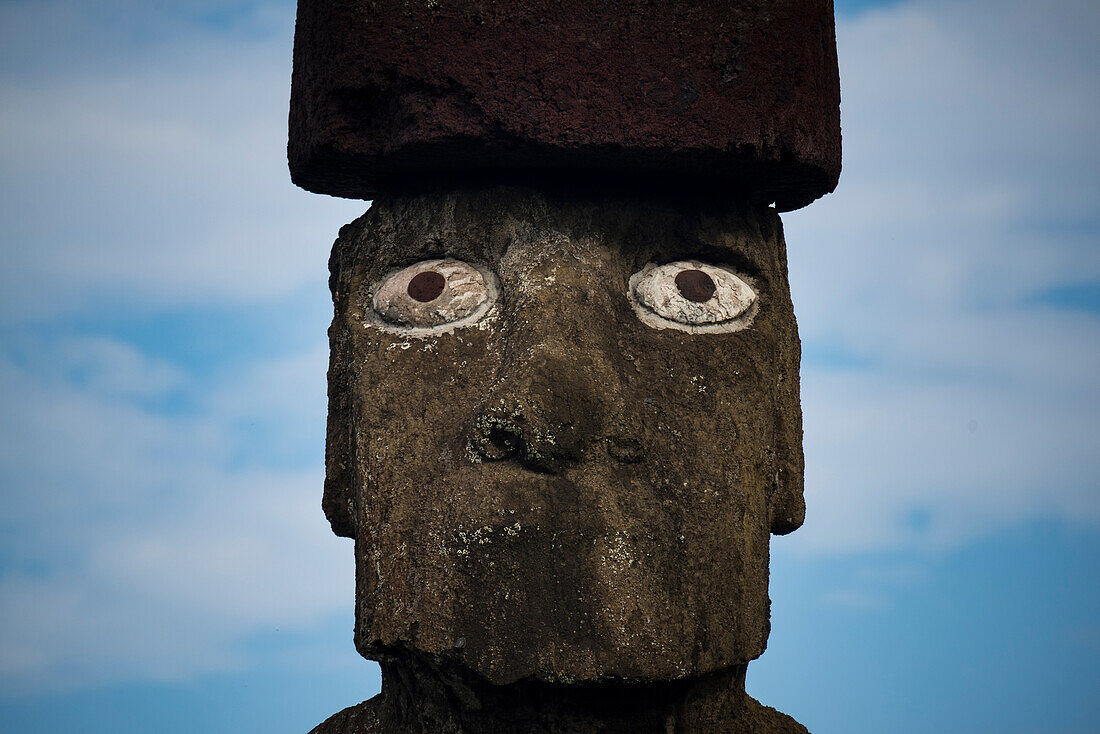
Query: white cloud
point(142, 162)
point(172, 597)
point(164, 178)
point(111, 368)
point(969, 190)
point(140, 550)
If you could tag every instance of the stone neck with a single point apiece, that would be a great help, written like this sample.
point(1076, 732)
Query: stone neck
point(420, 698)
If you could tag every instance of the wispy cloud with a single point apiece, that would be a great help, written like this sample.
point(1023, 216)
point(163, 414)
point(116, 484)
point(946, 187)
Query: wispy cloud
point(145, 546)
point(156, 514)
point(968, 191)
point(162, 178)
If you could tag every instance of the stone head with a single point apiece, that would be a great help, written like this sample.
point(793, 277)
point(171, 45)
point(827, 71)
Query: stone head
point(562, 429)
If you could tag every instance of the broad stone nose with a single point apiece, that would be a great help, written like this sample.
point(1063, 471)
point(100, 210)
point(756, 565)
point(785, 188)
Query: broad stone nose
point(559, 385)
point(546, 414)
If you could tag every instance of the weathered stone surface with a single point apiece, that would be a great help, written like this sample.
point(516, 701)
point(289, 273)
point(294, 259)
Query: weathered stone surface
point(559, 492)
point(739, 94)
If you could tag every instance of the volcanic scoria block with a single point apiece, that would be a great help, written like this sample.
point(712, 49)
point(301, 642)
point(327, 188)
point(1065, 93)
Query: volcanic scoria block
point(729, 94)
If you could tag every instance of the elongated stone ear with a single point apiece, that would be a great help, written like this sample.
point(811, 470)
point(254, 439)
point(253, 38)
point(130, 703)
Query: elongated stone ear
point(339, 499)
point(788, 501)
point(788, 504)
point(341, 447)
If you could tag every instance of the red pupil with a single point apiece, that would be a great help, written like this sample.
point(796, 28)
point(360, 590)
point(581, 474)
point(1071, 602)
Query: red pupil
point(695, 285)
point(426, 286)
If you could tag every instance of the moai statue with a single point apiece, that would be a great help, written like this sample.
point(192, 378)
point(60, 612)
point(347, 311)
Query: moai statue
point(563, 396)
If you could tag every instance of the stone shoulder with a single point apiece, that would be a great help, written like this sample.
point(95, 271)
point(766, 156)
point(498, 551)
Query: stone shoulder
point(362, 718)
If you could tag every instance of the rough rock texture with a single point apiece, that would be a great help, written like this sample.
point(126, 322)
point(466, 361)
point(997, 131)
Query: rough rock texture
point(418, 699)
point(742, 94)
point(560, 493)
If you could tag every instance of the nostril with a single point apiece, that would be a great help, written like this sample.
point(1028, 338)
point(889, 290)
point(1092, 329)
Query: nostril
point(500, 444)
point(496, 437)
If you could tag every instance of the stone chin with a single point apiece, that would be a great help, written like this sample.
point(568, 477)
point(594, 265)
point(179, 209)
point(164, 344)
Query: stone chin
point(564, 492)
point(519, 593)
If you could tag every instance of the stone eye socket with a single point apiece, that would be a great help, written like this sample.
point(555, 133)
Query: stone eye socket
point(434, 294)
point(692, 296)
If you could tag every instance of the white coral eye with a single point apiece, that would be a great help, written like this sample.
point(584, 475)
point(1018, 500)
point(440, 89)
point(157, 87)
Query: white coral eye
point(434, 296)
point(692, 296)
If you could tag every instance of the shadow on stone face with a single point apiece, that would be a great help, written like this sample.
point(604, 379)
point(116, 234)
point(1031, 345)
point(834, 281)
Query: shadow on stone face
point(451, 701)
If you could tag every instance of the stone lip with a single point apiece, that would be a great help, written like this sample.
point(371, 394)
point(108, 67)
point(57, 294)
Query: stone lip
point(712, 93)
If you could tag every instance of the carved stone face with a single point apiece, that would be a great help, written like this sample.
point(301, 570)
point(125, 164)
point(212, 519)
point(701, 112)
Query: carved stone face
point(562, 430)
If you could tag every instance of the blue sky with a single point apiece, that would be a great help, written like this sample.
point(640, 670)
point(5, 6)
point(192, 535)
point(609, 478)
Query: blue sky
point(164, 564)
